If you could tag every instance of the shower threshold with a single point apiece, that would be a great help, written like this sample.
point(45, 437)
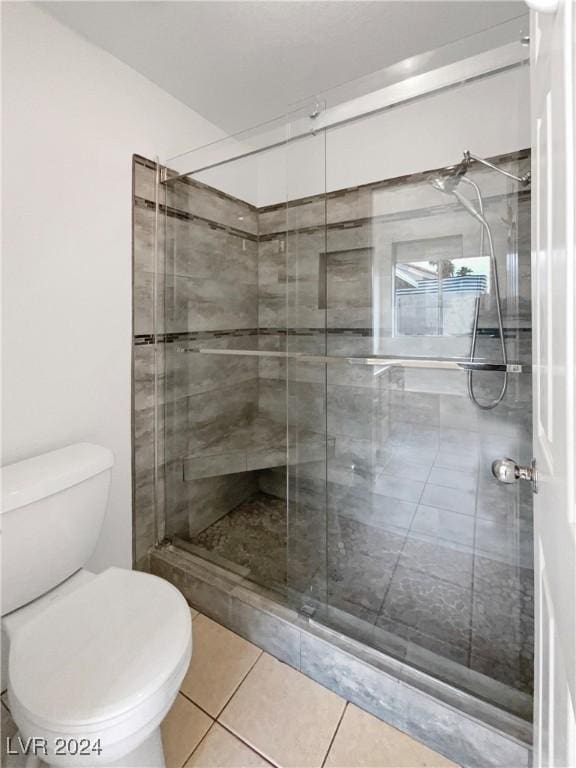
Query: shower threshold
point(317, 641)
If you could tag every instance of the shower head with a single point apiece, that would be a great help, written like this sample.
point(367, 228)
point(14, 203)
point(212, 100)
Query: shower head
point(449, 185)
point(450, 180)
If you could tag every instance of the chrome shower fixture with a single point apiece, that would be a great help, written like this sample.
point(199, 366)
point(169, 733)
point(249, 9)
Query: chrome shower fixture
point(453, 177)
point(450, 180)
point(449, 183)
point(469, 158)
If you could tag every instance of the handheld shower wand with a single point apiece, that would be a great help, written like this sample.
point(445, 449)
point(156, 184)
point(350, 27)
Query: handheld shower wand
point(449, 185)
point(478, 214)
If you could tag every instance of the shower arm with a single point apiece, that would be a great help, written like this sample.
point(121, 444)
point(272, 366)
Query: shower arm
point(523, 180)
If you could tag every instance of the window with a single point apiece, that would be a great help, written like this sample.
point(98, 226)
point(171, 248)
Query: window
point(436, 286)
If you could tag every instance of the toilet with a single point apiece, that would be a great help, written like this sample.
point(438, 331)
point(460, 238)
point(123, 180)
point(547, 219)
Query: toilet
point(92, 662)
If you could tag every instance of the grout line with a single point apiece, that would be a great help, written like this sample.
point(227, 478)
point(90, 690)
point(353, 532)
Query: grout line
point(235, 691)
point(237, 735)
point(335, 733)
point(229, 699)
point(197, 705)
point(406, 537)
point(200, 742)
point(246, 743)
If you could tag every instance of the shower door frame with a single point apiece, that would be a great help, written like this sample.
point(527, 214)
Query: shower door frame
point(479, 66)
point(506, 57)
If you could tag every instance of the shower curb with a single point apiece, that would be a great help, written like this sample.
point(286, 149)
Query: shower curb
point(387, 688)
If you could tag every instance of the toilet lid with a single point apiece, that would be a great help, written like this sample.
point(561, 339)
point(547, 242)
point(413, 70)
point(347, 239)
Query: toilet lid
point(98, 652)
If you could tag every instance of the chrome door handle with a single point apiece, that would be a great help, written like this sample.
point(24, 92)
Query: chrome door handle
point(507, 471)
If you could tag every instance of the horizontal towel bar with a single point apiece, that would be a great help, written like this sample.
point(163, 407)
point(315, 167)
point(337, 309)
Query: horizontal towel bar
point(447, 364)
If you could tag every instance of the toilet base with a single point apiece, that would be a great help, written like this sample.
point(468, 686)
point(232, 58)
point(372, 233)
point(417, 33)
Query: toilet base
point(150, 754)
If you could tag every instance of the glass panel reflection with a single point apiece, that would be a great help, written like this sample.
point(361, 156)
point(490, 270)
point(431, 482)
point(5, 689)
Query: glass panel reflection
point(360, 493)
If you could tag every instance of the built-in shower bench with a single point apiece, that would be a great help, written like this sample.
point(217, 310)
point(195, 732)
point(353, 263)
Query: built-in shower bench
point(260, 444)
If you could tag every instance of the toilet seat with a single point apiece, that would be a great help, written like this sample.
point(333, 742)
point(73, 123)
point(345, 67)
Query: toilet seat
point(103, 662)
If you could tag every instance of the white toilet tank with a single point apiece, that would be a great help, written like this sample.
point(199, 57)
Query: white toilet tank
point(53, 507)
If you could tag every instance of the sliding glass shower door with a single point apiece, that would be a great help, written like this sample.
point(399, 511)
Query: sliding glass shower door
point(306, 401)
point(222, 430)
point(335, 385)
point(422, 553)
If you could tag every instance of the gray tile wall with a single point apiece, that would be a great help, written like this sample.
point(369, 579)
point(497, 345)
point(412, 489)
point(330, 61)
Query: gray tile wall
point(411, 453)
point(206, 283)
point(407, 468)
point(212, 264)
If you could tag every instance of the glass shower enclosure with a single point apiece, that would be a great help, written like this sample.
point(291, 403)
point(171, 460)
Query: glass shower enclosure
point(335, 385)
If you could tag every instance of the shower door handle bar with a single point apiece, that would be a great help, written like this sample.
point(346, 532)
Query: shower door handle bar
point(448, 364)
point(438, 364)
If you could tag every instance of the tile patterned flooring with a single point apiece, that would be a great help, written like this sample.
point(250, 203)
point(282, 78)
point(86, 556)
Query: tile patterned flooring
point(241, 708)
point(253, 535)
point(414, 571)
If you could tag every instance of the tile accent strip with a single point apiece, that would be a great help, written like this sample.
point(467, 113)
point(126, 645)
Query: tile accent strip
point(176, 213)
point(170, 338)
point(194, 183)
point(373, 221)
point(410, 178)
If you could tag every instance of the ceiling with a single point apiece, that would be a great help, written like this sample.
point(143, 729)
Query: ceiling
point(240, 63)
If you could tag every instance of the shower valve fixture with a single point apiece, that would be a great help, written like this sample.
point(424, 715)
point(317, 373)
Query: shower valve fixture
point(507, 471)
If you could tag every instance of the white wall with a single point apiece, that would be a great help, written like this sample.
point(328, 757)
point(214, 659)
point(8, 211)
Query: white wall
point(489, 117)
point(73, 116)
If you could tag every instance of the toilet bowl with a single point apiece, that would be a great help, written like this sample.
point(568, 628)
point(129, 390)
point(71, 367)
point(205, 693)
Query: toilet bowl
point(94, 661)
point(93, 675)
